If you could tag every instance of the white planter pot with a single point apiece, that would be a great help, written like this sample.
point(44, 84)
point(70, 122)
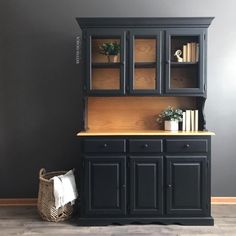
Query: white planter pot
point(171, 125)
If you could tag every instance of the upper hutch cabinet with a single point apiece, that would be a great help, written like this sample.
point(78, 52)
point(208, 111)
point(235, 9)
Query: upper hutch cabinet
point(105, 76)
point(187, 75)
point(157, 56)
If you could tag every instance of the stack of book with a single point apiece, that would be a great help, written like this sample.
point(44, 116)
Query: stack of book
point(191, 52)
point(190, 120)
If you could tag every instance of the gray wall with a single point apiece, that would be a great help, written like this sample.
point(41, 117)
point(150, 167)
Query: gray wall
point(40, 99)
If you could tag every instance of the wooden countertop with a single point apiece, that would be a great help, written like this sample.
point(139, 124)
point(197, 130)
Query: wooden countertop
point(142, 132)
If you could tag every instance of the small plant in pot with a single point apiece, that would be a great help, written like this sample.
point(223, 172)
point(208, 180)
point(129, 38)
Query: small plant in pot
point(170, 117)
point(111, 50)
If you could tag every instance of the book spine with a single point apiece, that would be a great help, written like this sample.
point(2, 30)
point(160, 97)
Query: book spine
point(193, 52)
point(192, 128)
point(197, 52)
point(185, 53)
point(184, 122)
point(187, 125)
point(196, 120)
point(188, 52)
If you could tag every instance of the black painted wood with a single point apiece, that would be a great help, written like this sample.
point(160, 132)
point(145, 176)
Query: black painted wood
point(146, 182)
point(187, 185)
point(145, 145)
point(166, 185)
point(150, 22)
point(104, 145)
point(105, 185)
point(186, 145)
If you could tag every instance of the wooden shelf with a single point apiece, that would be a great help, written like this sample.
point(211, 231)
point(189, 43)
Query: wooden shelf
point(143, 132)
point(145, 64)
point(183, 63)
point(106, 65)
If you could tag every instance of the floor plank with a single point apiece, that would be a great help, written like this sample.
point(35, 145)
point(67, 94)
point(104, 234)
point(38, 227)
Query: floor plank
point(22, 221)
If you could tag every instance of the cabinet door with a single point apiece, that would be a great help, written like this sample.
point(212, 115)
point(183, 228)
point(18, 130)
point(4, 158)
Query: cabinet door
point(145, 61)
point(186, 185)
point(146, 182)
point(105, 74)
point(105, 185)
point(185, 72)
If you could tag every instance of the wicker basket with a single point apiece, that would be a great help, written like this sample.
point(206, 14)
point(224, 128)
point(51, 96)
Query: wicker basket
point(46, 200)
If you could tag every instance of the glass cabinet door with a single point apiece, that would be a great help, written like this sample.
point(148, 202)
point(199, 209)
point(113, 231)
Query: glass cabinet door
point(145, 62)
point(106, 61)
point(184, 65)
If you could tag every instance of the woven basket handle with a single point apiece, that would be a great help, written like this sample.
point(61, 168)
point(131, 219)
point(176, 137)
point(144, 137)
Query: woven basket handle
point(42, 172)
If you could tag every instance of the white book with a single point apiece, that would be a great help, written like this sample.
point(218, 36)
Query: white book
point(192, 121)
point(196, 120)
point(188, 52)
point(184, 122)
point(187, 119)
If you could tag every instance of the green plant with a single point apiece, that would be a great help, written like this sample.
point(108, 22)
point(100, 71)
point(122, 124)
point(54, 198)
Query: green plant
point(170, 114)
point(111, 48)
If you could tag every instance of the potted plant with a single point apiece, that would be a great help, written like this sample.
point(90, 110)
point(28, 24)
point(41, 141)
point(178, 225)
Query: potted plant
point(170, 117)
point(111, 50)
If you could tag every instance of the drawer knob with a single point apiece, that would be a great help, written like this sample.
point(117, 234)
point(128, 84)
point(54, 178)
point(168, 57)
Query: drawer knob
point(187, 145)
point(169, 186)
point(146, 145)
point(105, 145)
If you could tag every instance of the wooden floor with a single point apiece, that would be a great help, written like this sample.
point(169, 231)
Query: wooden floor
point(25, 221)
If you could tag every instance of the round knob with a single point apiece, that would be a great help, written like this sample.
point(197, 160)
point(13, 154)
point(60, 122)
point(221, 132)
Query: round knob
point(123, 186)
point(146, 145)
point(105, 145)
point(187, 145)
point(169, 185)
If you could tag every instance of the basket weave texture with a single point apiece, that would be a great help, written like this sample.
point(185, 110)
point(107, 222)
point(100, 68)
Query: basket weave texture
point(46, 201)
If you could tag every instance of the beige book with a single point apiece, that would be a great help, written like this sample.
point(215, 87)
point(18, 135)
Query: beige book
point(197, 52)
point(184, 53)
point(196, 120)
point(193, 52)
point(188, 52)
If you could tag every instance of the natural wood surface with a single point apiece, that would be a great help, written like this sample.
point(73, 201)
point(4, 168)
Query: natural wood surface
point(223, 200)
point(19, 221)
point(18, 201)
point(142, 132)
point(131, 113)
point(145, 50)
point(184, 76)
point(96, 56)
point(106, 78)
point(145, 78)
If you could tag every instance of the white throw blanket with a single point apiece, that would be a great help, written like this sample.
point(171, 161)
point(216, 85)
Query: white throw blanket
point(64, 189)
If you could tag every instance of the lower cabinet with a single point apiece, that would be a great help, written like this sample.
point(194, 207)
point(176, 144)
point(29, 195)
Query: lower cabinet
point(186, 178)
point(105, 185)
point(146, 185)
point(138, 184)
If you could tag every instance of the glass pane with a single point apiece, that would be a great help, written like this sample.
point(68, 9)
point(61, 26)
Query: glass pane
point(184, 66)
point(105, 78)
point(144, 50)
point(145, 78)
point(98, 54)
point(184, 77)
point(187, 46)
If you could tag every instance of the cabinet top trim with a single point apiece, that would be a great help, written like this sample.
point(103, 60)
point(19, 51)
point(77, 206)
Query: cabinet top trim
point(135, 22)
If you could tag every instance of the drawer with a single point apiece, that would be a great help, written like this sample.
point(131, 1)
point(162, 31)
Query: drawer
point(186, 145)
point(145, 145)
point(104, 145)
